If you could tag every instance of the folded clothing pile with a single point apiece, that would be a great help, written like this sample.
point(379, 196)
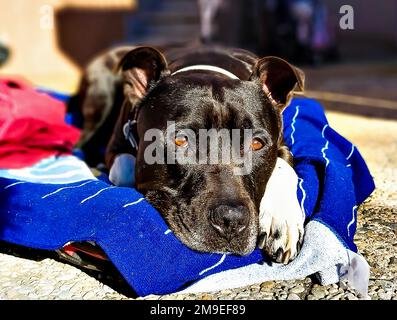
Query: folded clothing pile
point(32, 125)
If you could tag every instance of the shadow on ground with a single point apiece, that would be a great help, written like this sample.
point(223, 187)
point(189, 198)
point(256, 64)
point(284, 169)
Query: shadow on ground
point(110, 276)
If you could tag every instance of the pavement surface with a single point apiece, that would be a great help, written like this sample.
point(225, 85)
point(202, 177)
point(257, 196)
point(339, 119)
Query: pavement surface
point(44, 278)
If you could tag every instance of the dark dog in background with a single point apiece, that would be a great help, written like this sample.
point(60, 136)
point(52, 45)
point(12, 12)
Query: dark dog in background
point(208, 207)
point(98, 102)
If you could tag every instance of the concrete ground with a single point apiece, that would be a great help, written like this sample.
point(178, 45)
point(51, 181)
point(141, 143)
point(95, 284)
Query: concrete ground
point(376, 139)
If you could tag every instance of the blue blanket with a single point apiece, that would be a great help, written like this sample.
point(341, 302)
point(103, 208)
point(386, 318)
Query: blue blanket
point(54, 202)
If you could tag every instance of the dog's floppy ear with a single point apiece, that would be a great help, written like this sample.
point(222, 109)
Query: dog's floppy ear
point(279, 79)
point(140, 67)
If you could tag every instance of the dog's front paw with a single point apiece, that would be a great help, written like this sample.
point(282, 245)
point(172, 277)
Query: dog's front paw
point(282, 238)
point(281, 221)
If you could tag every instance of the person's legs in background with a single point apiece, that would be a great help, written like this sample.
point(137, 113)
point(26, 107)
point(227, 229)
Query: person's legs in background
point(233, 23)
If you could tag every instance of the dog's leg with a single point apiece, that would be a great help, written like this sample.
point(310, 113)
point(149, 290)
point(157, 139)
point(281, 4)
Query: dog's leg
point(122, 172)
point(280, 216)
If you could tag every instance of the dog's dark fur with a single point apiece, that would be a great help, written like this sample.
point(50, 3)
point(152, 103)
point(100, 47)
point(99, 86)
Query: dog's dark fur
point(193, 198)
point(98, 101)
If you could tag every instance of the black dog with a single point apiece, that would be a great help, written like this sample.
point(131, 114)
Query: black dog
point(208, 206)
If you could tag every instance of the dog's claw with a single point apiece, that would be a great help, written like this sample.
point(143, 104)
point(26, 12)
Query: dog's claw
point(299, 246)
point(262, 240)
point(279, 255)
point(286, 257)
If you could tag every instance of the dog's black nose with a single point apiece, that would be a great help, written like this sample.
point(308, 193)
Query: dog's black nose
point(229, 220)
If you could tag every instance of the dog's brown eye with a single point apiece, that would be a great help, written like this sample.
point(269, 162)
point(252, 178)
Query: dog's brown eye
point(181, 141)
point(256, 144)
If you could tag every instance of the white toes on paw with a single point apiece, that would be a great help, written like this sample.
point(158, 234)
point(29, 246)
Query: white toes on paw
point(281, 220)
point(283, 240)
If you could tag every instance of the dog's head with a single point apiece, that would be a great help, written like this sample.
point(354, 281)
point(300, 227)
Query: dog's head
point(211, 206)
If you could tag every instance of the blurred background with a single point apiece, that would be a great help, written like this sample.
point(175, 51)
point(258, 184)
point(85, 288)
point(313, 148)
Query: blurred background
point(49, 42)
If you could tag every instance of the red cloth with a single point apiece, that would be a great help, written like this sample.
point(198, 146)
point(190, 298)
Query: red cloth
point(32, 125)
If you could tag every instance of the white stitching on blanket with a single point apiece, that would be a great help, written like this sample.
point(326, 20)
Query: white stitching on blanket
point(351, 222)
point(325, 147)
point(14, 184)
point(90, 197)
point(293, 125)
point(303, 197)
point(132, 203)
point(60, 189)
point(351, 152)
point(214, 266)
point(168, 231)
point(323, 152)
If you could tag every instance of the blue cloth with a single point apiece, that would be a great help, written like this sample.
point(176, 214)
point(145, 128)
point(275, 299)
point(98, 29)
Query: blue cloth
point(333, 181)
point(333, 177)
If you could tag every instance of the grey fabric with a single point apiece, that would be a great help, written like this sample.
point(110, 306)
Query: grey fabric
point(322, 255)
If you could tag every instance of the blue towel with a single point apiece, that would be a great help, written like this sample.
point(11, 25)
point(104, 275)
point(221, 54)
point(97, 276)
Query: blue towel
point(333, 181)
point(333, 177)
